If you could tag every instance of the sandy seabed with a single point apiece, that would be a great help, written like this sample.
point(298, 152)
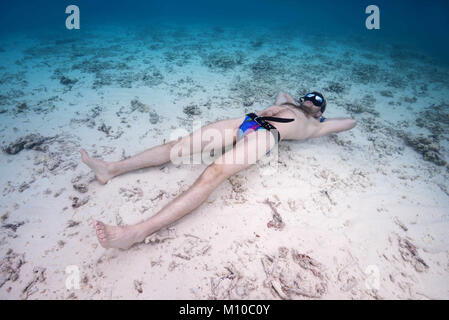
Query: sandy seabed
point(358, 215)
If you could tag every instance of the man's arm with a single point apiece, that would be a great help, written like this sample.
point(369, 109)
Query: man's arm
point(335, 125)
point(270, 111)
point(283, 97)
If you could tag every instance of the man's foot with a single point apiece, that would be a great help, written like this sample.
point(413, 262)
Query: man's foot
point(102, 169)
point(116, 237)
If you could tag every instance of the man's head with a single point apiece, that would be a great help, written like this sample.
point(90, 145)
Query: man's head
point(313, 103)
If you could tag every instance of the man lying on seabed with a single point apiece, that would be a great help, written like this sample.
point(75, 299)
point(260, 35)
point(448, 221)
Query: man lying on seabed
point(251, 137)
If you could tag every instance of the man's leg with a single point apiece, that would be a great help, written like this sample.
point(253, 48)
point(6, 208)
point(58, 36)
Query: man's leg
point(158, 155)
point(253, 147)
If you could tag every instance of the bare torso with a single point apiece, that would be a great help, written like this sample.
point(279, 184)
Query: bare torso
point(302, 128)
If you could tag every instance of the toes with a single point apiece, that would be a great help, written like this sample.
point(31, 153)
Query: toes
point(84, 156)
point(101, 236)
point(99, 224)
point(100, 230)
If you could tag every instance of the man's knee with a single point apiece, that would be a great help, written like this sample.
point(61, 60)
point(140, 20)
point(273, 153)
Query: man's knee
point(213, 173)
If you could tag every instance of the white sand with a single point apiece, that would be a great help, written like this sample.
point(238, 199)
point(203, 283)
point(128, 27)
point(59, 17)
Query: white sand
point(347, 203)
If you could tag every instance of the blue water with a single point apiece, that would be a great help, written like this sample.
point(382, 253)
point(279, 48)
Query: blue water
point(415, 24)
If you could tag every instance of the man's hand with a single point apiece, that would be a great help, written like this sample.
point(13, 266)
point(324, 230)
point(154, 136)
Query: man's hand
point(335, 125)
